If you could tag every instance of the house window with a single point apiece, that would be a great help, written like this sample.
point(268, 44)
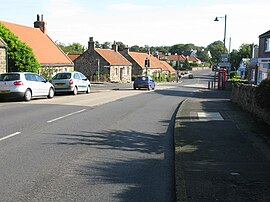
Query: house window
point(267, 44)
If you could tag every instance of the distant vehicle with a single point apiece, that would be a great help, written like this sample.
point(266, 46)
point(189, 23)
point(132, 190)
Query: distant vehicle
point(190, 76)
point(24, 85)
point(71, 82)
point(144, 82)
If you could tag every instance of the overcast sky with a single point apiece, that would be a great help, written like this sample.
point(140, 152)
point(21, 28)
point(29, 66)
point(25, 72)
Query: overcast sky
point(144, 22)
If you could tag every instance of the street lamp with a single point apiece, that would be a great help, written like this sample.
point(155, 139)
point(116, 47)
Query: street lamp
point(224, 40)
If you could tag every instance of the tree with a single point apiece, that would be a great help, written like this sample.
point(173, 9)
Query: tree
point(237, 55)
point(216, 49)
point(74, 48)
point(20, 56)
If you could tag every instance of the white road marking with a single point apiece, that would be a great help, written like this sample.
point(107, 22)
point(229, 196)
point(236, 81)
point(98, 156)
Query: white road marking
point(11, 135)
point(210, 116)
point(67, 115)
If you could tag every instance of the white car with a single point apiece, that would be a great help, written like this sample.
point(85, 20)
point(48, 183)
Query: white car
point(71, 82)
point(24, 85)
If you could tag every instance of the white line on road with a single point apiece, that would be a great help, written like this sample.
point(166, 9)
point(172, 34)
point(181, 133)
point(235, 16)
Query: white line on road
point(11, 135)
point(61, 117)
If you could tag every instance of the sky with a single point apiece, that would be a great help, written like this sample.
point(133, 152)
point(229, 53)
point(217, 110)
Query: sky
point(144, 22)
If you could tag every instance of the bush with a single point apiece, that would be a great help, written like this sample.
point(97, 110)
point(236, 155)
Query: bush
point(233, 74)
point(238, 80)
point(262, 94)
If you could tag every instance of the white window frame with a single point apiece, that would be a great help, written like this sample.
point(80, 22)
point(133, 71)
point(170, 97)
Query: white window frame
point(267, 45)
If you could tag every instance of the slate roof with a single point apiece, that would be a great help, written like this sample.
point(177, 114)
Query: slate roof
point(113, 57)
point(266, 34)
point(45, 50)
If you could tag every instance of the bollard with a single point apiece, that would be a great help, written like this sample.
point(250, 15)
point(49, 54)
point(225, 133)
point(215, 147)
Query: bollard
point(208, 84)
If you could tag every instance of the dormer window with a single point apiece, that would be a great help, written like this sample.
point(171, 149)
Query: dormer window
point(267, 44)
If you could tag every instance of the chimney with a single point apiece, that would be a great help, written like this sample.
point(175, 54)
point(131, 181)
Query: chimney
point(126, 50)
point(115, 46)
point(91, 45)
point(40, 24)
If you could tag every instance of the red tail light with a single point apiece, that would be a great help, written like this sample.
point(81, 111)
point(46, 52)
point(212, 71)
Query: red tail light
point(18, 83)
point(148, 82)
point(71, 82)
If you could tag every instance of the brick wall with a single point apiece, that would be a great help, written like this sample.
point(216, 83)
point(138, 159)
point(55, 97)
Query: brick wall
point(3, 60)
point(244, 96)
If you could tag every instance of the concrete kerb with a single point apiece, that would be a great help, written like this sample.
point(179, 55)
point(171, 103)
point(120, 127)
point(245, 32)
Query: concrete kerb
point(180, 187)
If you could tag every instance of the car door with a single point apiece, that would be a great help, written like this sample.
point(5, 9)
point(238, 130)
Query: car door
point(78, 81)
point(32, 84)
point(84, 80)
point(42, 84)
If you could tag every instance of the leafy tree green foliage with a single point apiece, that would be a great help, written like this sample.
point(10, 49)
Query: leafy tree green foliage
point(237, 55)
point(216, 49)
point(262, 94)
point(74, 48)
point(20, 56)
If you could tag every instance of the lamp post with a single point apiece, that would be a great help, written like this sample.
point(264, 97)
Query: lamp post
point(224, 40)
point(98, 67)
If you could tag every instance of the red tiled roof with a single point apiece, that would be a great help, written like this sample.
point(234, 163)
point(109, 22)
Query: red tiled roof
point(45, 50)
point(176, 58)
point(73, 56)
point(193, 59)
point(167, 67)
point(113, 57)
point(140, 59)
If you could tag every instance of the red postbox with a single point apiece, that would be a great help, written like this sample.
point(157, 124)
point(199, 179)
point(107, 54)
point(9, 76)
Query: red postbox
point(222, 77)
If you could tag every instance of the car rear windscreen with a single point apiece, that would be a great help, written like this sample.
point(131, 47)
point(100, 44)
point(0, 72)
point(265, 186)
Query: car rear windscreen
point(9, 77)
point(62, 76)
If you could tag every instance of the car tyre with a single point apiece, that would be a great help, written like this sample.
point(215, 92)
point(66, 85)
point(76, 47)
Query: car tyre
point(88, 90)
point(75, 91)
point(27, 95)
point(51, 93)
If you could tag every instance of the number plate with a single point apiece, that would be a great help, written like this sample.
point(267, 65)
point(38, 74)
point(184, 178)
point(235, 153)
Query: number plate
point(5, 91)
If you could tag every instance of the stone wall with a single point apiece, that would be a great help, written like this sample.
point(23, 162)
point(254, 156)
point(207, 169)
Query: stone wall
point(3, 60)
point(244, 96)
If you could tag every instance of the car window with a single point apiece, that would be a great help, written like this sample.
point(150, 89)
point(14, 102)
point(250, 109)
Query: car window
point(77, 76)
point(62, 76)
point(9, 77)
point(142, 78)
point(39, 78)
point(30, 77)
point(82, 76)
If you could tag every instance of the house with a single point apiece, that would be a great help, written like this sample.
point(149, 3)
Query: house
point(48, 54)
point(73, 56)
point(167, 68)
point(3, 56)
point(264, 57)
point(96, 61)
point(243, 67)
point(176, 60)
point(138, 61)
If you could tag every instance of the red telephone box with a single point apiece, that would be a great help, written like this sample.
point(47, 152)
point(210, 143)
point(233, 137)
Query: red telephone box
point(222, 77)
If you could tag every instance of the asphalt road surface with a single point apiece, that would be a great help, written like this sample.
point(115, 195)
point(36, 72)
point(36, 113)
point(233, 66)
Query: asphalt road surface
point(114, 145)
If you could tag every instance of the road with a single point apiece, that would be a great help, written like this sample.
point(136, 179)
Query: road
point(109, 145)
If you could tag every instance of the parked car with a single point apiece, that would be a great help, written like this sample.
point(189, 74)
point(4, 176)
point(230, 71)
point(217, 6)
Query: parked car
point(71, 82)
point(24, 85)
point(144, 82)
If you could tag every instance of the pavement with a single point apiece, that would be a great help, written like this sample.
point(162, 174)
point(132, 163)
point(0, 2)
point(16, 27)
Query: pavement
point(221, 152)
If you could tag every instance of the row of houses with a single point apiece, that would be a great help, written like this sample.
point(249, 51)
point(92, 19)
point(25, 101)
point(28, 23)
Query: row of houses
point(119, 65)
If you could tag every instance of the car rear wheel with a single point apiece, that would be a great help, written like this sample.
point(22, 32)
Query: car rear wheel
point(88, 90)
point(75, 91)
point(27, 95)
point(51, 93)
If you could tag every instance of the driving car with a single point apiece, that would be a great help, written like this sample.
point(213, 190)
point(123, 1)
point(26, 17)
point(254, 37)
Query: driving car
point(144, 82)
point(71, 82)
point(24, 85)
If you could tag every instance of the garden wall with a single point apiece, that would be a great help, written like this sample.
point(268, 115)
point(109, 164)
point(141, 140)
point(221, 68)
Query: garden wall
point(244, 96)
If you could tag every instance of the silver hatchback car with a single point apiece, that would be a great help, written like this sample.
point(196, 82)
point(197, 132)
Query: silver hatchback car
point(71, 82)
point(24, 85)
